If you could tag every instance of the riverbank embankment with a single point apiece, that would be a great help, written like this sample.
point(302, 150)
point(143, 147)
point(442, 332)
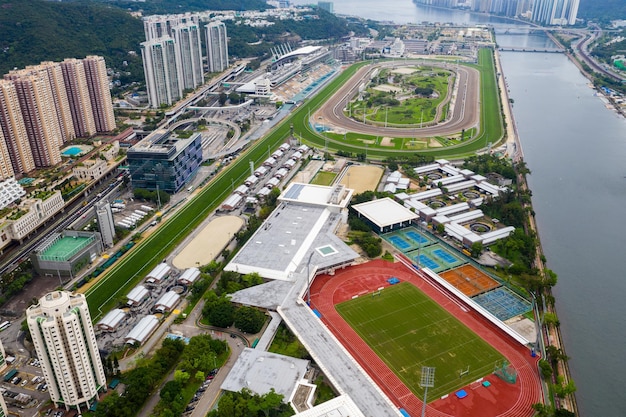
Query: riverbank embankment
point(551, 335)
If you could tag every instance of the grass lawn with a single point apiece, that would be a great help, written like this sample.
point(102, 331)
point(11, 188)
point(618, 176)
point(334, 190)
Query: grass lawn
point(409, 330)
point(324, 178)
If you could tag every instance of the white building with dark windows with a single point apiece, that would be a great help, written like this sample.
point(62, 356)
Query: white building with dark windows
point(555, 12)
point(159, 65)
point(188, 50)
point(217, 46)
point(64, 339)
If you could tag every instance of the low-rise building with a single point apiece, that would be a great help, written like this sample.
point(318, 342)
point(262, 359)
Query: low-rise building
point(10, 191)
point(167, 302)
point(189, 276)
point(142, 330)
point(111, 151)
point(66, 253)
point(90, 170)
point(110, 322)
point(32, 212)
point(137, 295)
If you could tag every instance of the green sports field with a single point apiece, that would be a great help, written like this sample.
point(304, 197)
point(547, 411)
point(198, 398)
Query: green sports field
point(409, 330)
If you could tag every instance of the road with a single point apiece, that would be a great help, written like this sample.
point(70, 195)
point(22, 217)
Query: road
point(463, 117)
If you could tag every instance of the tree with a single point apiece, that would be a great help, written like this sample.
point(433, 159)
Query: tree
point(477, 249)
point(249, 319)
point(563, 390)
point(222, 314)
point(546, 368)
point(171, 390)
point(181, 376)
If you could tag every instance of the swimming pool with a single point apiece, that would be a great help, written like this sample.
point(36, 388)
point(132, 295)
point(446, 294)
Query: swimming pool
point(73, 151)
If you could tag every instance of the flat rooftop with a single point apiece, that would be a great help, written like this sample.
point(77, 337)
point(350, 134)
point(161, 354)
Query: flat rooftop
point(260, 371)
point(385, 212)
point(65, 247)
point(279, 246)
point(317, 195)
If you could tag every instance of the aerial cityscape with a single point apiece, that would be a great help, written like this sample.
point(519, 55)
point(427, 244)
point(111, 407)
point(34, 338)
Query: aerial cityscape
point(277, 208)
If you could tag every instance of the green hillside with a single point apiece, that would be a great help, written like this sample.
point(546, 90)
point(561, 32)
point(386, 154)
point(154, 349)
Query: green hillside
point(32, 31)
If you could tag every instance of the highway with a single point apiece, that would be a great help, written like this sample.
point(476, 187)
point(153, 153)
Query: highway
point(463, 116)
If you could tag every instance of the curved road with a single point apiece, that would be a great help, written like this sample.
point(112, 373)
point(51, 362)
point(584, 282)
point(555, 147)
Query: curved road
point(463, 117)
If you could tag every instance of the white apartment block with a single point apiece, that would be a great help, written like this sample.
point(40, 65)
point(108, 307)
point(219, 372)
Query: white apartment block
point(188, 49)
point(90, 169)
point(63, 336)
point(158, 26)
point(217, 46)
point(159, 65)
point(10, 191)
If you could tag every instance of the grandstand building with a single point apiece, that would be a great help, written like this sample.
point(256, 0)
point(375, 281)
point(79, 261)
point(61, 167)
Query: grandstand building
point(66, 253)
point(63, 336)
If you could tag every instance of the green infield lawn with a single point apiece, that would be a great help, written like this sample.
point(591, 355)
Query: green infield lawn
point(324, 178)
point(409, 330)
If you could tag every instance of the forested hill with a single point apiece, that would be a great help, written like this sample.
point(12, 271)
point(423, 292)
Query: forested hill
point(32, 31)
point(602, 10)
point(179, 6)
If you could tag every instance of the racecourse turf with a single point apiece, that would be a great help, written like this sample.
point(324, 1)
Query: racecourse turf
point(408, 330)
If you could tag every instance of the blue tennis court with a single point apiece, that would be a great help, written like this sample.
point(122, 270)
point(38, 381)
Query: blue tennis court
point(416, 237)
point(398, 242)
point(426, 262)
point(442, 254)
point(503, 303)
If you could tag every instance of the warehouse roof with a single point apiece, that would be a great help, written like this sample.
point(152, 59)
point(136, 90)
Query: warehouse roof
point(142, 330)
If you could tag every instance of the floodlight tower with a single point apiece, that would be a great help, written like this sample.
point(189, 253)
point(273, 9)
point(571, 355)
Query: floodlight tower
point(427, 381)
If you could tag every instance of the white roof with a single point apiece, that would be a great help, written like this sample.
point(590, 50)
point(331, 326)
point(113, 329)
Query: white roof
point(390, 188)
point(233, 201)
point(190, 275)
point(112, 318)
point(242, 189)
point(269, 161)
point(142, 330)
point(385, 212)
point(261, 371)
point(264, 191)
point(159, 272)
point(167, 301)
point(252, 179)
point(138, 293)
point(318, 195)
point(273, 182)
point(261, 171)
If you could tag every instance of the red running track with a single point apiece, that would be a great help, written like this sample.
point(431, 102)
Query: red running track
point(499, 399)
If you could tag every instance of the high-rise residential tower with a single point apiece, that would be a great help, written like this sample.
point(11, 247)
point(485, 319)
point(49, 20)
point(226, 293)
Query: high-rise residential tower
point(159, 26)
point(6, 167)
point(188, 49)
point(78, 96)
point(98, 86)
point(63, 336)
point(13, 129)
point(555, 12)
point(217, 46)
point(159, 65)
point(40, 117)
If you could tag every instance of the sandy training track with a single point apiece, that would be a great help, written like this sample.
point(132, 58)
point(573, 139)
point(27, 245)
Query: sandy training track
point(207, 244)
point(463, 116)
point(362, 178)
